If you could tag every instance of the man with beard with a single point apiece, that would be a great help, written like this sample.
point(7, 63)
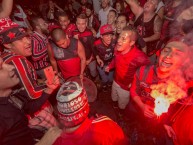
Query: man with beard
point(65, 24)
point(40, 44)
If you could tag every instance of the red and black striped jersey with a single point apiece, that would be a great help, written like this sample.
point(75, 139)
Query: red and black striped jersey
point(144, 77)
point(39, 51)
point(67, 57)
point(29, 89)
point(87, 40)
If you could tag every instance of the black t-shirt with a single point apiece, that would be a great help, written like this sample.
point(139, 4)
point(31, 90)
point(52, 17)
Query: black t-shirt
point(14, 128)
point(105, 53)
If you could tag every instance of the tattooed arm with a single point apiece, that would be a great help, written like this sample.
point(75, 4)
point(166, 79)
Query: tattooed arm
point(135, 7)
point(157, 30)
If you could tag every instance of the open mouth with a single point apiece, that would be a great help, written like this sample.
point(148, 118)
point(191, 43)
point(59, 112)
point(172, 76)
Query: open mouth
point(166, 64)
point(29, 48)
point(13, 75)
point(119, 29)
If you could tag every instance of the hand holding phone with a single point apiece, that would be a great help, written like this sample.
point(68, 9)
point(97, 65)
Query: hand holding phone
point(49, 73)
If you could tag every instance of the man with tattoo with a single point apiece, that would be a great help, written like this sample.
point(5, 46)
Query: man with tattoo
point(148, 24)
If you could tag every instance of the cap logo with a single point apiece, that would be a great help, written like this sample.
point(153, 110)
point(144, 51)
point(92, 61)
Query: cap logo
point(107, 29)
point(6, 23)
point(11, 35)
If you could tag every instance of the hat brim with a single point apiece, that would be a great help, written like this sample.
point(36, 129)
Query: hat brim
point(112, 32)
point(17, 35)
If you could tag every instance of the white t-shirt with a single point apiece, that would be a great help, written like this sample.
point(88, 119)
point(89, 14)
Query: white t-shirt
point(160, 4)
point(21, 15)
point(103, 15)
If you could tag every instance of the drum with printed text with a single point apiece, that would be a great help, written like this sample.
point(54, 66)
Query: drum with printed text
point(88, 85)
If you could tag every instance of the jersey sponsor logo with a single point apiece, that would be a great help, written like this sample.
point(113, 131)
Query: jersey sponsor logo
point(108, 56)
point(145, 93)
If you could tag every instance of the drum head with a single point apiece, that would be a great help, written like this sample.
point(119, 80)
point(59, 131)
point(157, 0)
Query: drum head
point(88, 85)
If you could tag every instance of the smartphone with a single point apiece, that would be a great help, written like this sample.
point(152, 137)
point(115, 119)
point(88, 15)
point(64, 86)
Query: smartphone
point(49, 73)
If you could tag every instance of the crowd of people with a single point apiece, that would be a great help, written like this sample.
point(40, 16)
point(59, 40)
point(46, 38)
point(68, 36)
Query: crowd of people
point(127, 46)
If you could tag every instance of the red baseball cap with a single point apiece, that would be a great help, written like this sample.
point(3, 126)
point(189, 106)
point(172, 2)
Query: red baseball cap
point(106, 29)
point(10, 31)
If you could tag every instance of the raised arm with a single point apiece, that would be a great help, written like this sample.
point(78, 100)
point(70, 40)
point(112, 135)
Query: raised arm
point(135, 7)
point(6, 8)
point(81, 54)
point(157, 30)
point(52, 59)
point(59, 8)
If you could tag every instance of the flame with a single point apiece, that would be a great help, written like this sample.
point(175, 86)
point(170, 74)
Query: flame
point(161, 105)
point(165, 94)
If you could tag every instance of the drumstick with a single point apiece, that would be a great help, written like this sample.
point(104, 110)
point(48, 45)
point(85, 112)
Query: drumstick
point(63, 80)
point(81, 81)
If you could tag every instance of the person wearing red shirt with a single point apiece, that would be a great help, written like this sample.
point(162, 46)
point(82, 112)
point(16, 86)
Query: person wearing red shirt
point(40, 44)
point(127, 58)
point(18, 47)
point(85, 36)
point(67, 52)
point(73, 110)
point(175, 59)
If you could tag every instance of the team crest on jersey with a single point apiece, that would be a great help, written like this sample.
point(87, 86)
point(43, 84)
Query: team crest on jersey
point(84, 39)
point(145, 89)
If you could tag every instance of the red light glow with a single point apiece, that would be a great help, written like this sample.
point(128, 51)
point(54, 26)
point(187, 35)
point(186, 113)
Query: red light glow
point(164, 95)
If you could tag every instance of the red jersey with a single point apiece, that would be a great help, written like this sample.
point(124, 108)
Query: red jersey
point(26, 73)
point(39, 51)
point(87, 40)
point(126, 66)
point(143, 79)
point(99, 131)
point(68, 59)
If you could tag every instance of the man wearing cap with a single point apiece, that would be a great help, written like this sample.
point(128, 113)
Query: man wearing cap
point(73, 110)
point(14, 128)
point(175, 59)
point(18, 47)
point(103, 51)
point(128, 58)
